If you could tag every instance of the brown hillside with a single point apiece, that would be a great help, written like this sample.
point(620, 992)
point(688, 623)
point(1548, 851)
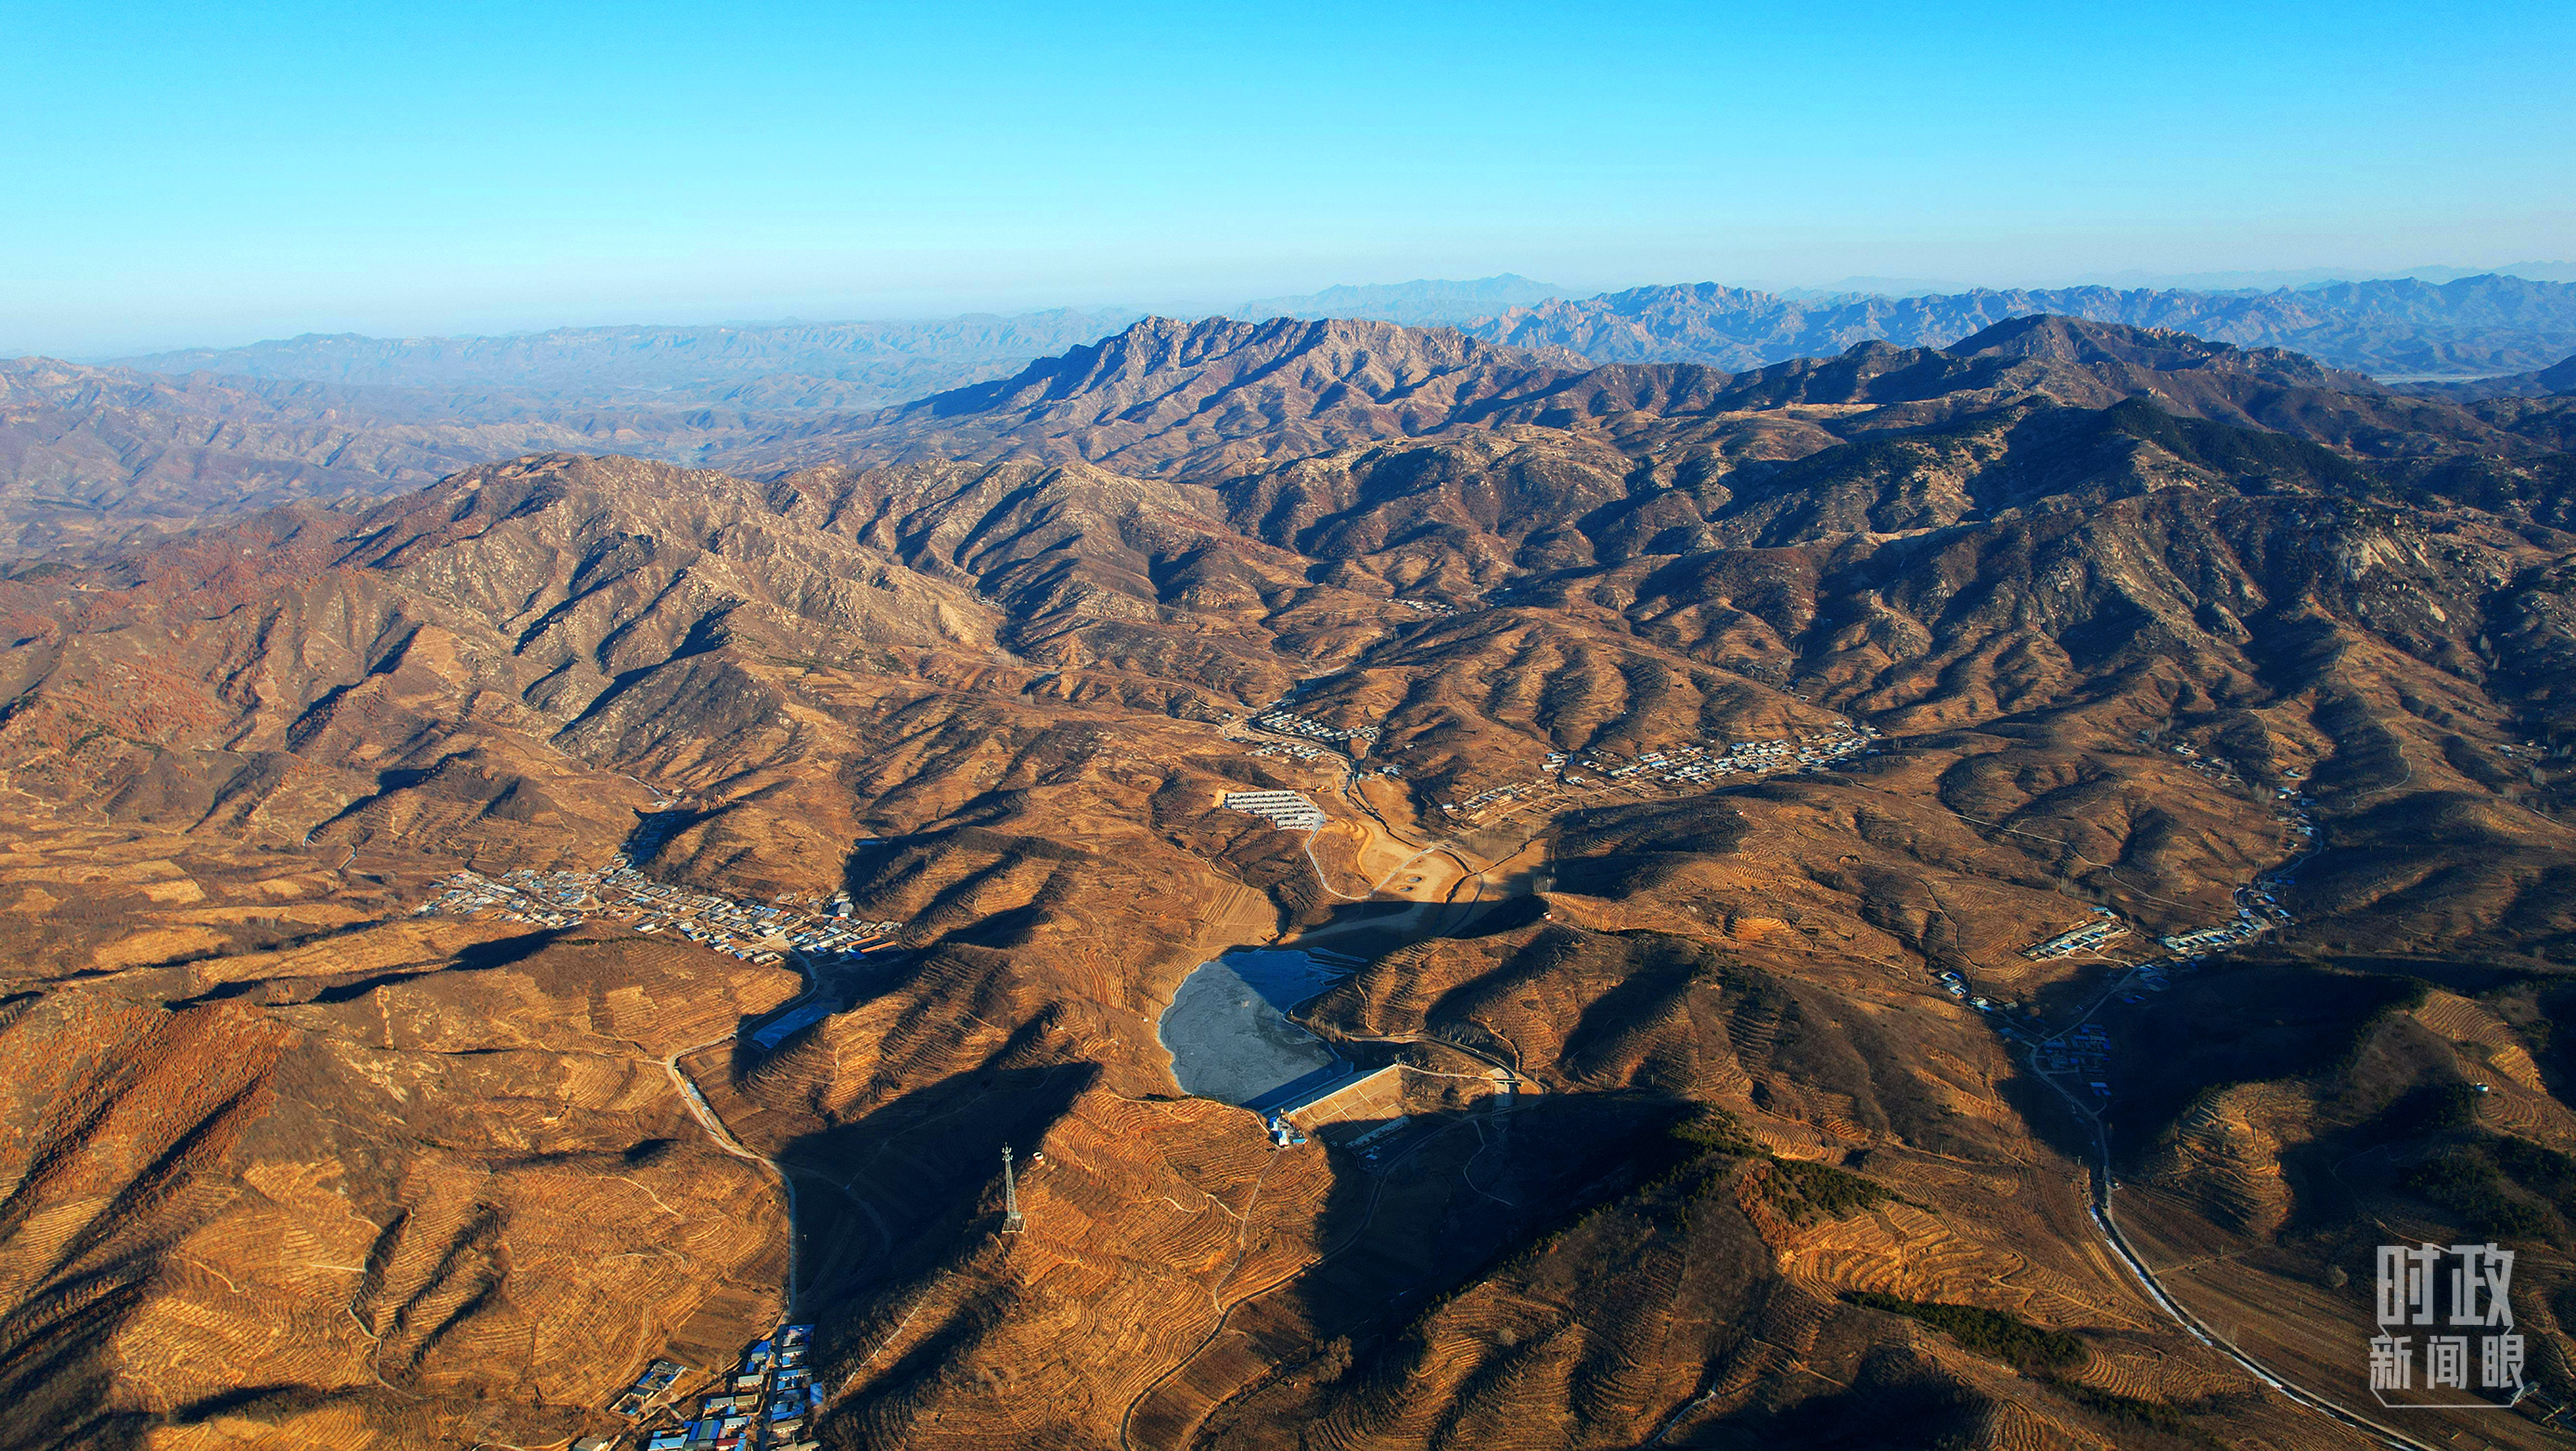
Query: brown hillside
point(1705, 760)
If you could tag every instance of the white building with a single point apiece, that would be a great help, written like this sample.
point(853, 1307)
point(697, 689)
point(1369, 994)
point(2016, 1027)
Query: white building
point(1286, 810)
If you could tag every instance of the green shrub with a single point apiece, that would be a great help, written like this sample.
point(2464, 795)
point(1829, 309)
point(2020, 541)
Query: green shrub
point(2007, 1338)
point(2152, 1415)
point(2464, 1183)
point(1713, 1130)
point(2537, 1167)
point(2455, 1106)
point(2155, 1415)
point(1803, 1190)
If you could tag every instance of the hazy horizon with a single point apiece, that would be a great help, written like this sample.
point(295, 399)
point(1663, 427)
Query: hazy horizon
point(1894, 286)
point(214, 177)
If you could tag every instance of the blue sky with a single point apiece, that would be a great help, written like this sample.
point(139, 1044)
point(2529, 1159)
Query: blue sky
point(217, 173)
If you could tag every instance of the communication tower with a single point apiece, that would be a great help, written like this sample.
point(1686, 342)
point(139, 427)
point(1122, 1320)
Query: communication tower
point(1012, 1220)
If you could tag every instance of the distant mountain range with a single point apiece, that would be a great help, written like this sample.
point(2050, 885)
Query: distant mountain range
point(2267, 281)
point(1415, 304)
point(2238, 281)
point(752, 365)
point(91, 455)
point(2478, 325)
point(2471, 327)
point(1168, 395)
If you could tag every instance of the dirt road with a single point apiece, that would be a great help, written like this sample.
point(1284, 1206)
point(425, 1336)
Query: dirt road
point(705, 1114)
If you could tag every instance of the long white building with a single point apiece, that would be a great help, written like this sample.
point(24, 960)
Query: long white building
point(1286, 810)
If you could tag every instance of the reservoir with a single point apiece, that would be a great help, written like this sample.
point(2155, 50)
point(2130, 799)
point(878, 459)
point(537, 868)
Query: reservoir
point(1228, 1030)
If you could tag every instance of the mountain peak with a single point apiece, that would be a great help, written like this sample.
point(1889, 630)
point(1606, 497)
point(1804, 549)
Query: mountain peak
point(1169, 394)
point(2083, 342)
point(1386, 352)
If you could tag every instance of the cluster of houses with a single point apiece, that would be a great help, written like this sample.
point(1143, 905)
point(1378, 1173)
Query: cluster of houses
point(1701, 761)
point(2258, 907)
point(2087, 938)
point(2213, 767)
point(1288, 723)
point(2290, 808)
point(2084, 1050)
point(1694, 763)
point(1428, 607)
point(753, 931)
point(1482, 799)
point(1279, 720)
point(636, 1399)
point(2211, 939)
point(1293, 750)
point(766, 1403)
point(1691, 763)
point(2258, 910)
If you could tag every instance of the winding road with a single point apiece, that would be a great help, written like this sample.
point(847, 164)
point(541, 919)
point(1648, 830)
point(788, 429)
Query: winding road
point(705, 1114)
point(2106, 1223)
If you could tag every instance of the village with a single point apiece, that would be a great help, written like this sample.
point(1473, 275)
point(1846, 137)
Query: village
point(767, 1402)
point(1683, 767)
point(2082, 1052)
point(762, 932)
point(1299, 751)
point(2257, 903)
point(1704, 761)
point(1276, 720)
point(1287, 723)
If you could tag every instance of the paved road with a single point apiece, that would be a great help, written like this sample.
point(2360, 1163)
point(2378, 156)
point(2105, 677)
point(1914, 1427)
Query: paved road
point(2106, 1223)
point(705, 1114)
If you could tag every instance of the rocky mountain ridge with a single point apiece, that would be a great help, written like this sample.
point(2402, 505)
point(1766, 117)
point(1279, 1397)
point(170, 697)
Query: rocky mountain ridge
point(95, 454)
point(1201, 396)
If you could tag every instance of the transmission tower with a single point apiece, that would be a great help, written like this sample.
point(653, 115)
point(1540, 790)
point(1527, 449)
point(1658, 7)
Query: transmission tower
point(1012, 1220)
